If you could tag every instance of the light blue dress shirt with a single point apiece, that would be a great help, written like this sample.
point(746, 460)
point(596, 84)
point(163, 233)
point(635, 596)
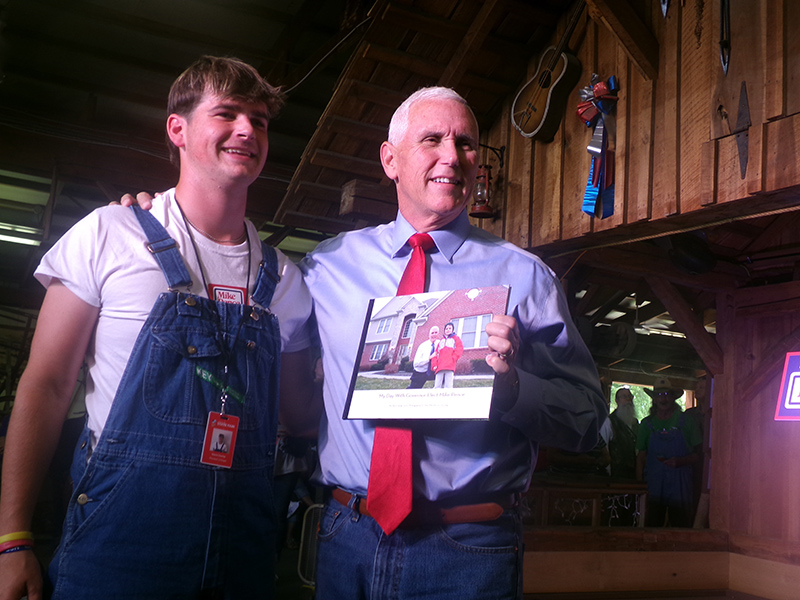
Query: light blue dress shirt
point(560, 401)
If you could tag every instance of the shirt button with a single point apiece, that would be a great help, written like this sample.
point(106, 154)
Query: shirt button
point(190, 301)
point(251, 345)
point(191, 350)
point(83, 499)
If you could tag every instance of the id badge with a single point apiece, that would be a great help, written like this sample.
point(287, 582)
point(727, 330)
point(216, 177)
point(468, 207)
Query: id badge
point(220, 440)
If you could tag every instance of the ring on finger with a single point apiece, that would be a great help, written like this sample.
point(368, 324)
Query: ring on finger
point(507, 355)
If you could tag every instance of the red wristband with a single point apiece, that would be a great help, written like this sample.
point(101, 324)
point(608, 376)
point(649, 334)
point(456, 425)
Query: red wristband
point(14, 543)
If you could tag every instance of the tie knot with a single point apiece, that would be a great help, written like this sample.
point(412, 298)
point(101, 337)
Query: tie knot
point(421, 240)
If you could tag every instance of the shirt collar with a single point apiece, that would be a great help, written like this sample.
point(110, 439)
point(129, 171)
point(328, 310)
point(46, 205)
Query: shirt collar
point(448, 239)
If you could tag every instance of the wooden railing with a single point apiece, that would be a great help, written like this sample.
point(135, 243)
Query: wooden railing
point(573, 499)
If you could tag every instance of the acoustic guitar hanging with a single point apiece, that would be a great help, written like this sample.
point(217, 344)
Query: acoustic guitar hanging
point(539, 105)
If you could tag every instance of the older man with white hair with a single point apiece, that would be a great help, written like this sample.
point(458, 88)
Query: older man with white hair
point(458, 535)
point(624, 427)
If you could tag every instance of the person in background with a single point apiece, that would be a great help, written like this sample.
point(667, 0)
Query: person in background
point(185, 319)
point(448, 350)
point(462, 537)
point(422, 360)
point(668, 444)
point(625, 428)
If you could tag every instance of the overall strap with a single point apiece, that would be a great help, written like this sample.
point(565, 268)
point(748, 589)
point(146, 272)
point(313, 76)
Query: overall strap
point(164, 250)
point(268, 277)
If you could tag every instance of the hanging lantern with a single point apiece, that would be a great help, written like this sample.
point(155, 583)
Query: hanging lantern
point(481, 194)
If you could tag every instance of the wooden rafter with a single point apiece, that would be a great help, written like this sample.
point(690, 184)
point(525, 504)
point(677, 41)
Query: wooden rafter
point(636, 39)
point(688, 322)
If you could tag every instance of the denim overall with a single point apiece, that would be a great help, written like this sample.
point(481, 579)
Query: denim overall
point(147, 519)
point(668, 486)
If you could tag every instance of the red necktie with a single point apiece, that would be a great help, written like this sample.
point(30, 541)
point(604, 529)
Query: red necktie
point(390, 487)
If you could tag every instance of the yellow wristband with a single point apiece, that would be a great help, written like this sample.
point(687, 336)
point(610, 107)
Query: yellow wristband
point(17, 535)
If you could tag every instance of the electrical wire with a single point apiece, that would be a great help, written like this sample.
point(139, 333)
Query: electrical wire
point(325, 57)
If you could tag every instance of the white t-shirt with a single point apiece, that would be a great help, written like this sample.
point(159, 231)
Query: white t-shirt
point(104, 261)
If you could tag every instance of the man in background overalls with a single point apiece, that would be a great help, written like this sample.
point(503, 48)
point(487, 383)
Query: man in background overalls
point(668, 444)
point(185, 320)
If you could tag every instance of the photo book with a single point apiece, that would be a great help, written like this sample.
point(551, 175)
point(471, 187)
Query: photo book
point(423, 356)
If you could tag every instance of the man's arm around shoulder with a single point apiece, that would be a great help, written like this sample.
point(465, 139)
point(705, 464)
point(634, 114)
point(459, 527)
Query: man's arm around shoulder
point(64, 328)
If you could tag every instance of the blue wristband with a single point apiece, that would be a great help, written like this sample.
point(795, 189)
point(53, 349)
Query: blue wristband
point(16, 549)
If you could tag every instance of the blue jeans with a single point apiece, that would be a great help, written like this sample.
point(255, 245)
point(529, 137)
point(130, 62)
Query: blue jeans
point(476, 561)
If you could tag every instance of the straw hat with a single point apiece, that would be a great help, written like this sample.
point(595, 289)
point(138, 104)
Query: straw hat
point(663, 384)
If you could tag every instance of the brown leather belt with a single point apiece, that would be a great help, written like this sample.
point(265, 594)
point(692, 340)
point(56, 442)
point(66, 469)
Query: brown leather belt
point(433, 514)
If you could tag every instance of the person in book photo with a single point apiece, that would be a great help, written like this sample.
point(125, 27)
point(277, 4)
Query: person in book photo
point(448, 350)
point(422, 366)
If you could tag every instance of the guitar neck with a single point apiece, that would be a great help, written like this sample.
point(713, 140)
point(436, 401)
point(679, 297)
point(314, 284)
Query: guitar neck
point(573, 22)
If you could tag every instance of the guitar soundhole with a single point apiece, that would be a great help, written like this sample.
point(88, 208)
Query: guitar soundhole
point(546, 79)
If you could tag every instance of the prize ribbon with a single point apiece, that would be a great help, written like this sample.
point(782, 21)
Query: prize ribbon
point(597, 102)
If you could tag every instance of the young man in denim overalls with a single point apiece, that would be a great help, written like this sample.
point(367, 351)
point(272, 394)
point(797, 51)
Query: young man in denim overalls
point(185, 320)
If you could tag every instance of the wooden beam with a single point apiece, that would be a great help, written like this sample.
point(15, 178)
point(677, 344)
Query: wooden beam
point(767, 299)
point(616, 539)
point(546, 573)
point(318, 191)
point(375, 94)
point(356, 129)
point(308, 221)
point(282, 47)
point(109, 191)
point(280, 235)
point(430, 25)
point(87, 159)
point(641, 260)
point(586, 303)
point(347, 164)
point(370, 201)
point(781, 551)
point(631, 33)
point(610, 303)
point(56, 185)
point(768, 236)
point(149, 26)
point(431, 69)
point(26, 298)
point(770, 366)
point(692, 325)
point(471, 43)
point(403, 60)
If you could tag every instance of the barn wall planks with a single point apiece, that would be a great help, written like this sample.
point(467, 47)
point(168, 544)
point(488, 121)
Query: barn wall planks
point(678, 152)
point(621, 572)
point(679, 155)
point(763, 491)
point(574, 572)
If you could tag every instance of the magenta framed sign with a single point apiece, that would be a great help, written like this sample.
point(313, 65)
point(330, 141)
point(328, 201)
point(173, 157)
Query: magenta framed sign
point(788, 408)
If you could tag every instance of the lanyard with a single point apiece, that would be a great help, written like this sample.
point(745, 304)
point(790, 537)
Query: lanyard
point(223, 385)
